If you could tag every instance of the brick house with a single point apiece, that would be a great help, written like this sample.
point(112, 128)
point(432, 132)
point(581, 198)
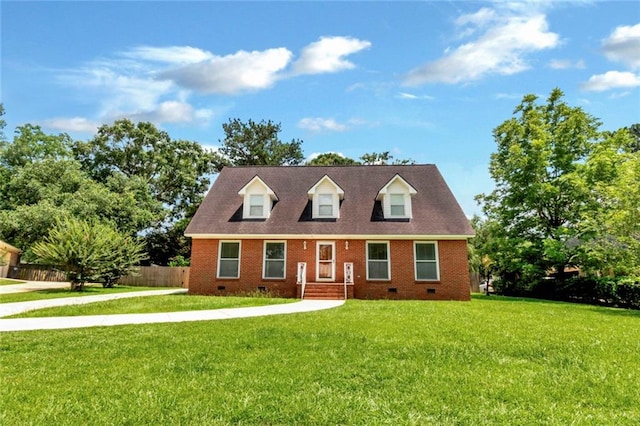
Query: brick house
point(369, 232)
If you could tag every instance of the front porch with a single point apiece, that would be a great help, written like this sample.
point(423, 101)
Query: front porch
point(324, 290)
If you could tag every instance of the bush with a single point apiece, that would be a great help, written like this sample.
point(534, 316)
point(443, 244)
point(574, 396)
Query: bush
point(609, 291)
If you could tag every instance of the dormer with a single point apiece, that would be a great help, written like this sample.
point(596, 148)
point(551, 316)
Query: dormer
point(258, 199)
point(395, 197)
point(325, 198)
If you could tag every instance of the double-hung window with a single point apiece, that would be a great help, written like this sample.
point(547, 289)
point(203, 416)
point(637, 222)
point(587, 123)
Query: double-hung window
point(396, 207)
point(256, 205)
point(274, 259)
point(426, 256)
point(325, 205)
point(229, 259)
point(378, 261)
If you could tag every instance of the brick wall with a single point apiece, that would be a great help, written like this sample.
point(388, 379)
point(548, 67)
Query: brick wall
point(453, 284)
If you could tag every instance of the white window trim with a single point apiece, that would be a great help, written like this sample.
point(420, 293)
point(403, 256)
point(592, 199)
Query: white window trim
point(262, 205)
point(336, 193)
point(415, 261)
point(264, 260)
point(406, 204)
point(388, 260)
point(333, 261)
point(334, 205)
point(220, 258)
point(256, 186)
point(385, 193)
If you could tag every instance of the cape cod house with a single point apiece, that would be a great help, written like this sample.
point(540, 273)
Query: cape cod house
point(369, 232)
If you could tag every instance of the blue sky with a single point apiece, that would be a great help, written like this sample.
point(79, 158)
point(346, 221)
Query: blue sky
point(424, 80)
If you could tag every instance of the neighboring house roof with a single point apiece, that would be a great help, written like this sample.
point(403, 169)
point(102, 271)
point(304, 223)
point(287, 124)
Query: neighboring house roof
point(436, 213)
point(9, 247)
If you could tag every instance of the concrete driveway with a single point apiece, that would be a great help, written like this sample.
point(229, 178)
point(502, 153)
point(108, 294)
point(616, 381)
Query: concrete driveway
point(50, 323)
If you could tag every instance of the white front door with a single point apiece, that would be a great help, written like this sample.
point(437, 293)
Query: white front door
point(326, 265)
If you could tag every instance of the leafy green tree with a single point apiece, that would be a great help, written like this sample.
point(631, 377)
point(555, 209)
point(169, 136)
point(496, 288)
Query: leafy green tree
point(37, 194)
point(375, 158)
point(89, 251)
point(611, 228)
point(634, 143)
point(2, 123)
point(256, 144)
point(176, 171)
point(30, 144)
point(331, 159)
point(539, 198)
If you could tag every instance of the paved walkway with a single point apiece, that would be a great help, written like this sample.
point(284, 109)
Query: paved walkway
point(51, 323)
point(32, 286)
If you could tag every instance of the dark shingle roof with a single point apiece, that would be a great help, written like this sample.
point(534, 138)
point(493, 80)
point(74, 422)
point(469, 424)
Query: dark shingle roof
point(435, 210)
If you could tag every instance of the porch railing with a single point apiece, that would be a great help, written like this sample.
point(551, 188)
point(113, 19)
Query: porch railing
point(301, 277)
point(348, 277)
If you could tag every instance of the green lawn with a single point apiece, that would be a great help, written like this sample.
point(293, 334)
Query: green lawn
point(55, 293)
point(141, 305)
point(491, 361)
point(9, 281)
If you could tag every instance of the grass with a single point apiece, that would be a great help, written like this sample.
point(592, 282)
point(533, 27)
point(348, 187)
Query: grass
point(55, 293)
point(9, 281)
point(492, 361)
point(141, 305)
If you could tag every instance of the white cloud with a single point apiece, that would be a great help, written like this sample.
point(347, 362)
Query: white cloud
point(328, 55)
point(231, 74)
point(74, 124)
point(155, 83)
point(504, 42)
point(173, 112)
point(411, 96)
point(563, 64)
point(612, 80)
point(623, 45)
point(317, 124)
point(171, 54)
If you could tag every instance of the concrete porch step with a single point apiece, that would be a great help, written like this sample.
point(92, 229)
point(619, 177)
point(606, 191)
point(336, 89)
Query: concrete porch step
point(324, 291)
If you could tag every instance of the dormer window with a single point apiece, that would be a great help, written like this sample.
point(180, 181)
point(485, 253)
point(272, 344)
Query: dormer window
point(256, 205)
point(396, 198)
point(258, 199)
point(325, 205)
point(397, 205)
point(325, 198)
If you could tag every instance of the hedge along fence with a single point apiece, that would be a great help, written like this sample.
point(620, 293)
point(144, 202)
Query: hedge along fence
point(623, 292)
point(148, 276)
point(158, 276)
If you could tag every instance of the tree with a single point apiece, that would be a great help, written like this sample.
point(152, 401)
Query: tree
point(634, 143)
point(610, 228)
point(30, 144)
point(37, 194)
point(375, 158)
point(89, 251)
point(331, 159)
point(176, 171)
point(2, 123)
point(539, 197)
point(256, 144)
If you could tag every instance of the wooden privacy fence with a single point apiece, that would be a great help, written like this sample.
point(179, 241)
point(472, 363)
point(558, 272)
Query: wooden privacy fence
point(149, 276)
point(36, 273)
point(158, 276)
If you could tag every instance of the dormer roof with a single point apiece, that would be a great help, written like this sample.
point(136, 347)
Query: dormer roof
point(395, 181)
point(326, 180)
point(255, 182)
